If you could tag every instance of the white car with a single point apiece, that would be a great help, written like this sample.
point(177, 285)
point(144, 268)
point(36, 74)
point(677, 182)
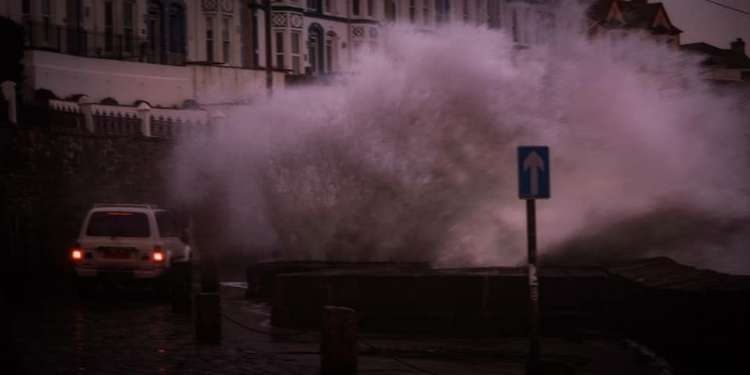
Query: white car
point(130, 241)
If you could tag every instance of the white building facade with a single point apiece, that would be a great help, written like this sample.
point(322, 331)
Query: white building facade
point(168, 51)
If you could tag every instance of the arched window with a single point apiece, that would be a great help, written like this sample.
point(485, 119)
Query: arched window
point(315, 49)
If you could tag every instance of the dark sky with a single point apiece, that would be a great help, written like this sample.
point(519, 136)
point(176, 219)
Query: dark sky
point(702, 21)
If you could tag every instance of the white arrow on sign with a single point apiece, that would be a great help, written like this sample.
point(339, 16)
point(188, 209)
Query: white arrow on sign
point(536, 164)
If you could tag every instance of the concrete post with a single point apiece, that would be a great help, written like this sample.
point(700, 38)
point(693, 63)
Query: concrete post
point(9, 93)
point(338, 341)
point(85, 103)
point(144, 112)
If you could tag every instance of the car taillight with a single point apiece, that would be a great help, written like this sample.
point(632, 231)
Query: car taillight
point(76, 255)
point(158, 255)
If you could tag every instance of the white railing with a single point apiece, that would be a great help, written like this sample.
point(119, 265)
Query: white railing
point(64, 106)
point(135, 120)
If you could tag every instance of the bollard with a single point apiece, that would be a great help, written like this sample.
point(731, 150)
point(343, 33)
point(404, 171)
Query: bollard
point(181, 287)
point(9, 93)
point(338, 341)
point(208, 318)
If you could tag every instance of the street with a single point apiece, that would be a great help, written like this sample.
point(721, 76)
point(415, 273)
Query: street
point(137, 332)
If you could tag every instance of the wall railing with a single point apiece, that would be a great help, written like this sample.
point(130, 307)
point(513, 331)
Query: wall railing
point(141, 120)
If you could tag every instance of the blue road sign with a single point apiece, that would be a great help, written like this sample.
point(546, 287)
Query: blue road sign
point(533, 172)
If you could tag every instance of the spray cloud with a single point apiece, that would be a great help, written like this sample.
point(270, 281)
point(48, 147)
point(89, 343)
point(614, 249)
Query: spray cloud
point(412, 157)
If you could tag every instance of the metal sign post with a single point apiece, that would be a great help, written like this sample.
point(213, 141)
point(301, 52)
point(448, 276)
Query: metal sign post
point(533, 183)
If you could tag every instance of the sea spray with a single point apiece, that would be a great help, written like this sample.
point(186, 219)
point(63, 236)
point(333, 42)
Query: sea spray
point(411, 156)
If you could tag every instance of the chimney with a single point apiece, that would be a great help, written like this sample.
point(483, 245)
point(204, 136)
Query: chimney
point(738, 46)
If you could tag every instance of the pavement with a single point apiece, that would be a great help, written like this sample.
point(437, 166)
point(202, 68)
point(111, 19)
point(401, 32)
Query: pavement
point(137, 332)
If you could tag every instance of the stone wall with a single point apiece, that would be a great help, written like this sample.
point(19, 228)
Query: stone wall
point(51, 174)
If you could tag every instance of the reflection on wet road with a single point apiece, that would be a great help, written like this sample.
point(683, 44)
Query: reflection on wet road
point(123, 333)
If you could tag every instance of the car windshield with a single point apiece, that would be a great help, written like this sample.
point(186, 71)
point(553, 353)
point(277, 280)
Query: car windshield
point(118, 224)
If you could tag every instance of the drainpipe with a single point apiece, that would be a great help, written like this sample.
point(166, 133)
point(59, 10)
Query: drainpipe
point(349, 32)
point(269, 72)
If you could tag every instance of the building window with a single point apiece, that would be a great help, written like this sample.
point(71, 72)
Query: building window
point(355, 7)
point(412, 10)
point(176, 33)
point(390, 10)
point(330, 51)
point(280, 49)
point(296, 61)
point(127, 25)
point(493, 14)
point(442, 10)
point(46, 24)
point(313, 4)
point(226, 41)
point(209, 39)
point(466, 10)
point(155, 27)
point(479, 12)
point(514, 26)
point(315, 48)
point(256, 40)
point(426, 12)
point(108, 26)
point(370, 7)
point(26, 11)
point(330, 6)
point(329, 56)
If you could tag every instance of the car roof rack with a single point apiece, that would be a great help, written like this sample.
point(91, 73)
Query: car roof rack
point(130, 205)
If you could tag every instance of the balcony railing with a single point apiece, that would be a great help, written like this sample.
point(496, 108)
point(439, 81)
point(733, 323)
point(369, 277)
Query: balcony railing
point(108, 44)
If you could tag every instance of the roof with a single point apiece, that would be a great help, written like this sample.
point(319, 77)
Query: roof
point(635, 14)
point(719, 57)
point(126, 205)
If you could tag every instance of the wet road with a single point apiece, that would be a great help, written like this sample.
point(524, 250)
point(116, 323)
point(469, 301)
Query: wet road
point(123, 333)
point(137, 332)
